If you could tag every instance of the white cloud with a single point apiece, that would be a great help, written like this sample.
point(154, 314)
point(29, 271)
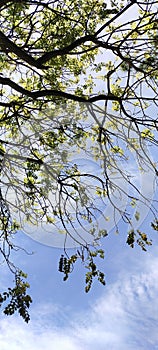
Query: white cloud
point(17, 336)
point(125, 317)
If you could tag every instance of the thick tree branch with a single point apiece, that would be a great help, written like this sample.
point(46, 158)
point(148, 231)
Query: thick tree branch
point(4, 2)
point(14, 86)
point(6, 104)
point(56, 93)
point(7, 45)
point(65, 50)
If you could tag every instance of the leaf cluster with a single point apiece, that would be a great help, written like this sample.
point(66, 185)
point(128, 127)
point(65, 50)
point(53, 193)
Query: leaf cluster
point(18, 298)
point(138, 237)
point(66, 265)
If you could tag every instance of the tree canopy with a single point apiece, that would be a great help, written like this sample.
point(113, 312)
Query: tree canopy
point(78, 102)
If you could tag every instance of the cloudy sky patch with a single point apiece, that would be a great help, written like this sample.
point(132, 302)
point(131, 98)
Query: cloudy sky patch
point(125, 316)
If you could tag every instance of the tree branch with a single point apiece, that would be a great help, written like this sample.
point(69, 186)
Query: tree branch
point(57, 93)
point(116, 51)
point(115, 17)
point(4, 2)
point(7, 45)
point(60, 52)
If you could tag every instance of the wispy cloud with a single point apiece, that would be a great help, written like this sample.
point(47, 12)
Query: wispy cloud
point(125, 317)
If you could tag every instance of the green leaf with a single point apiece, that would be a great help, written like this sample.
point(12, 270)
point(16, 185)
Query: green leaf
point(137, 215)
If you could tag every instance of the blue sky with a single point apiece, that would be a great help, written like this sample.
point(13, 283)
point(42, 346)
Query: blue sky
point(120, 316)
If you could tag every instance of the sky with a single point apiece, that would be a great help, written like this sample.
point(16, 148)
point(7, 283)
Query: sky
point(122, 315)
